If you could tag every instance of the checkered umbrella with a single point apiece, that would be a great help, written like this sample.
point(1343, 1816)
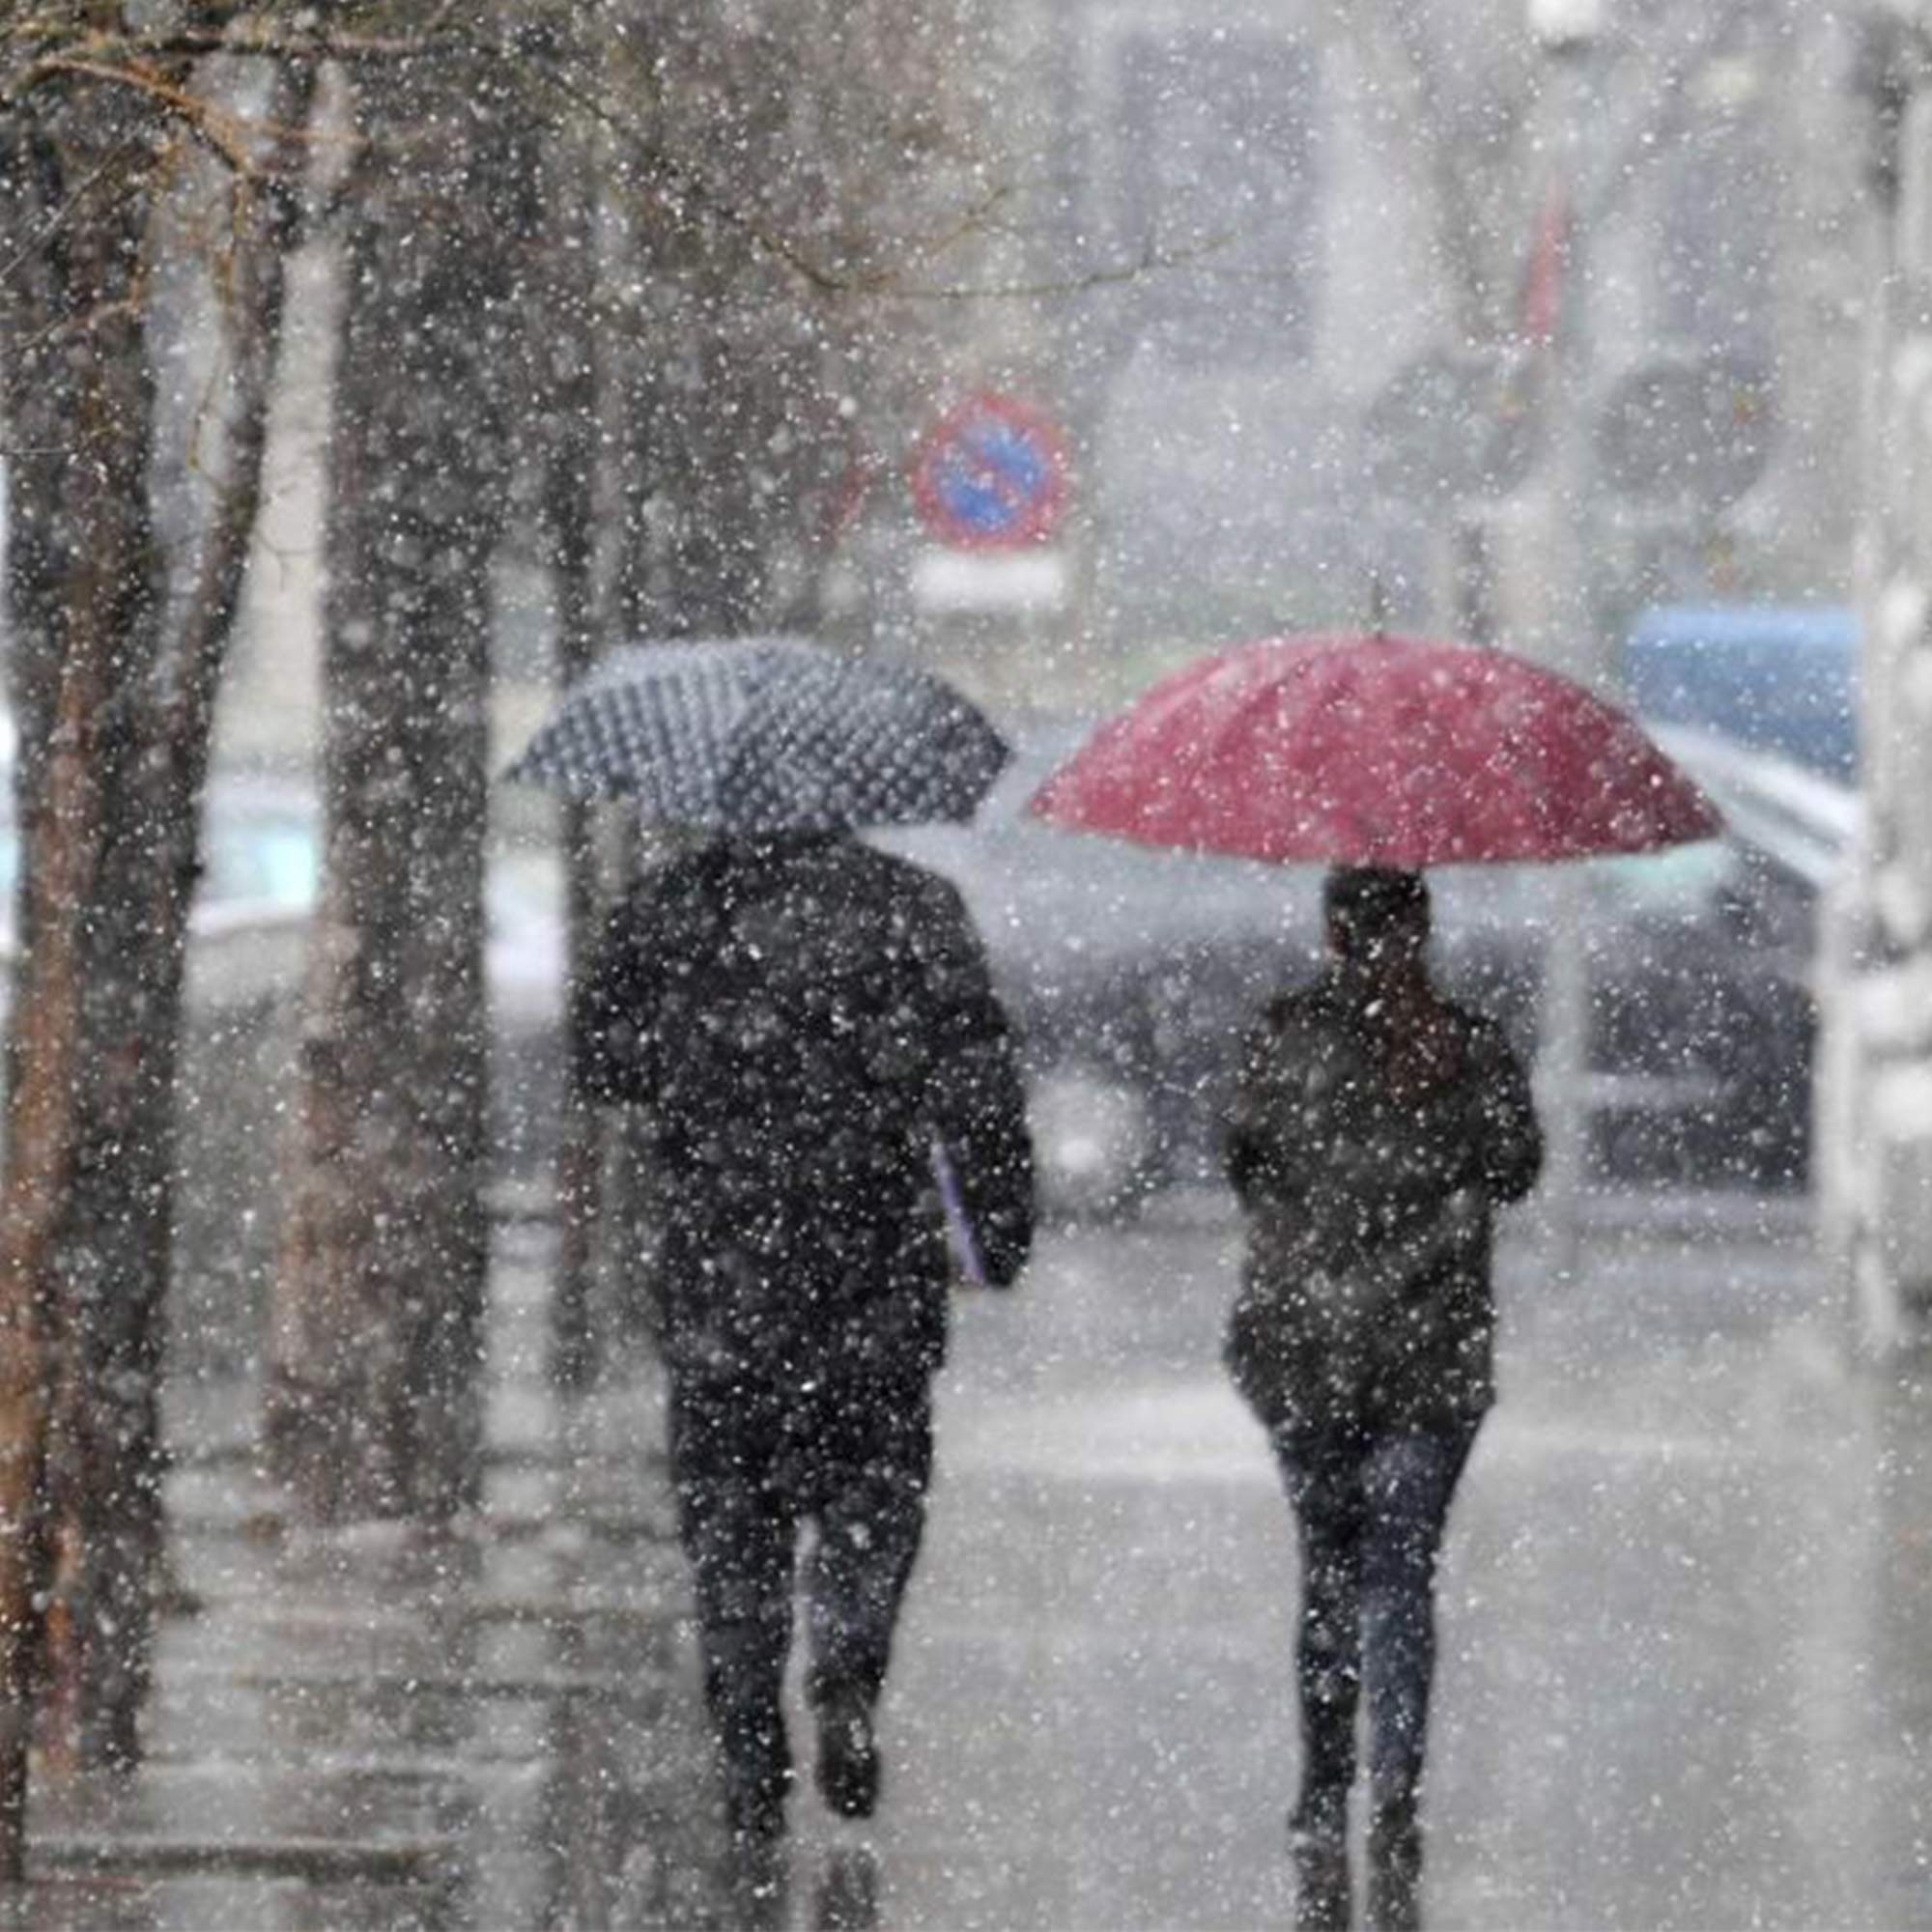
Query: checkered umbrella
point(771, 734)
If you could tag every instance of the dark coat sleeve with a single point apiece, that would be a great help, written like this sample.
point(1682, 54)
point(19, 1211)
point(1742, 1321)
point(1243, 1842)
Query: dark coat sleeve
point(976, 1097)
point(1259, 1159)
point(1506, 1141)
point(612, 1020)
point(1242, 1150)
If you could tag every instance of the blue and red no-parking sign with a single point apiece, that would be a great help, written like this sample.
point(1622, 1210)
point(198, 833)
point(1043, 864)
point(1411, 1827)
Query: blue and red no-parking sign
point(989, 474)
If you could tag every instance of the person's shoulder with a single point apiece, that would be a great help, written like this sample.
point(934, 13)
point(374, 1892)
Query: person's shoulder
point(675, 877)
point(669, 897)
point(894, 880)
point(1297, 1009)
point(679, 870)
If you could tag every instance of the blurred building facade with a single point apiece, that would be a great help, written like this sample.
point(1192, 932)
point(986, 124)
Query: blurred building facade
point(1279, 276)
point(1301, 320)
point(1875, 1092)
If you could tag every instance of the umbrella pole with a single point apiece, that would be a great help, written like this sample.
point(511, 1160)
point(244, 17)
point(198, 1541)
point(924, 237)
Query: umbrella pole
point(1563, 1072)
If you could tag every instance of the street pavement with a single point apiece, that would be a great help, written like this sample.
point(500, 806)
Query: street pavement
point(369, 1727)
point(1685, 1608)
point(1686, 1674)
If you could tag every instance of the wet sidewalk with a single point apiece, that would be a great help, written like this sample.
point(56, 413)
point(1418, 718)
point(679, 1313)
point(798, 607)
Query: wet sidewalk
point(1687, 1638)
point(370, 1728)
point(1685, 1641)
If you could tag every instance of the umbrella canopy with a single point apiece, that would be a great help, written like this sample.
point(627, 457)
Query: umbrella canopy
point(745, 736)
point(1376, 751)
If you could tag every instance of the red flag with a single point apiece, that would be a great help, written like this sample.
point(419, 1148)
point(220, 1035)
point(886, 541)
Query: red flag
point(1539, 304)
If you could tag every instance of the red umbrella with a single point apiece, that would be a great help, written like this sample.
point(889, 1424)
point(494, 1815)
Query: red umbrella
point(1381, 751)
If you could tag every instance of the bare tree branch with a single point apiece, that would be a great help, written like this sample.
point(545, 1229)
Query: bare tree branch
point(219, 132)
point(691, 199)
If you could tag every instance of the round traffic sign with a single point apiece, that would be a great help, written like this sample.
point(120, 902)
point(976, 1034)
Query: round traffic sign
point(1696, 428)
point(989, 474)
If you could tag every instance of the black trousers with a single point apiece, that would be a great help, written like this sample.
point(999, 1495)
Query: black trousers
point(1371, 1508)
point(751, 1463)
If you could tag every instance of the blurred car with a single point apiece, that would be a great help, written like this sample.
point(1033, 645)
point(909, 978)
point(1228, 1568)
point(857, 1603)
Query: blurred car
point(260, 874)
point(248, 941)
point(1130, 970)
point(1780, 677)
point(1133, 973)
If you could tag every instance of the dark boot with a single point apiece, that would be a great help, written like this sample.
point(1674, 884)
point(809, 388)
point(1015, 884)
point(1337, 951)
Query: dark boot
point(1394, 1868)
point(754, 1893)
point(1318, 1848)
point(848, 1756)
point(752, 1874)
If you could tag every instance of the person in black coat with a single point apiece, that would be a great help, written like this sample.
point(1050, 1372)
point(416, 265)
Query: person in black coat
point(1377, 1129)
point(810, 1028)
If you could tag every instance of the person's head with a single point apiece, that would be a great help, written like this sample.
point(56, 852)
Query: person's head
point(1376, 918)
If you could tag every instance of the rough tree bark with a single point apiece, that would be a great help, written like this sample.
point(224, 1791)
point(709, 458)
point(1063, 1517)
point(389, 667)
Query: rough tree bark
point(114, 682)
point(374, 1407)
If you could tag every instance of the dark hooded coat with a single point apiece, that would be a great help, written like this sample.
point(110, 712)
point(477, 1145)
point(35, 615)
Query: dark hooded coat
point(801, 1019)
point(1366, 1302)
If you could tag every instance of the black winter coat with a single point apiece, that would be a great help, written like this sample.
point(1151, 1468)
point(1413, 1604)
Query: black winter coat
point(801, 1019)
point(1366, 1299)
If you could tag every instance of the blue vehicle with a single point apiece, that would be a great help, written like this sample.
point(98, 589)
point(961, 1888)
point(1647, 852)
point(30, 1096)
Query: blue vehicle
point(1779, 677)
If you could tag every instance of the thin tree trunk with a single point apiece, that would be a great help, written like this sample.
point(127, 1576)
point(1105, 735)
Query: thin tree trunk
point(82, 497)
point(89, 583)
point(109, 1529)
point(571, 464)
point(42, 1025)
point(374, 1407)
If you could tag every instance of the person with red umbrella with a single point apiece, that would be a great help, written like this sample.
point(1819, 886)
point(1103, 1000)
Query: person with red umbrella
point(1377, 1128)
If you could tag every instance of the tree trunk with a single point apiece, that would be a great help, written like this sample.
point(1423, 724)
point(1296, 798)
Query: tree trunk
point(115, 706)
point(566, 328)
point(374, 1407)
point(81, 1456)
